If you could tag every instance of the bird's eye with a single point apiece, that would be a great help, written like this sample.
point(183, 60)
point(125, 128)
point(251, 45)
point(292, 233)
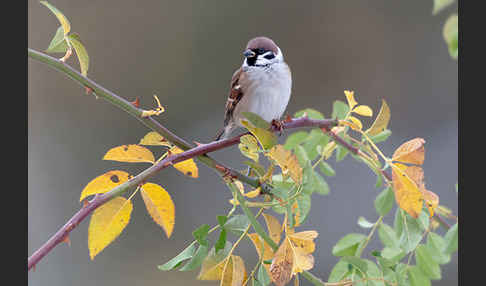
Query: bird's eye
point(269, 56)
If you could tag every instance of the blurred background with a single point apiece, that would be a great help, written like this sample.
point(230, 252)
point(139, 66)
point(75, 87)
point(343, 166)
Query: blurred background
point(185, 52)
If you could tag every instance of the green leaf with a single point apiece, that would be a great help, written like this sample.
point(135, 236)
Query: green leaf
point(436, 246)
point(221, 240)
point(417, 277)
point(391, 256)
point(237, 224)
point(301, 155)
point(339, 271)
point(326, 169)
point(380, 137)
point(58, 43)
point(339, 109)
point(384, 201)
point(364, 223)
point(341, 153)
point(266, 138)
point(440, 5)
point(62, 19)
point(176, 261)
point(357, 263)
point(256, 120)
point(320, 185)
point(304, 205)
point(348, 244)
point(373, 271)
point(451, 239)
point(316, 138)
point(197, 259)
point(81, 52)
point(222, 219)
point(249, 147)
point(201, 233)
point(258, 168)
point(425, 262)
point(388, 236)
point(410, 230)
point(451, 34)
point(262, 276)
point(311, 113)
point(295, 139)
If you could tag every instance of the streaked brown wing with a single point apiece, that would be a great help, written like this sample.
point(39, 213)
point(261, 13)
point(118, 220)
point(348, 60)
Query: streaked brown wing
point(235, 95)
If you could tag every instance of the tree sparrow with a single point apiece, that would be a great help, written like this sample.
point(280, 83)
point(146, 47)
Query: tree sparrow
point(261, 85)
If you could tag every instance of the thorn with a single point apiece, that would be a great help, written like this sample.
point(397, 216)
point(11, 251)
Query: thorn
point(85, 203)
point(288, 118)
point(136, 102)
point(88, 90)
point(198, 144)
point(67, 240)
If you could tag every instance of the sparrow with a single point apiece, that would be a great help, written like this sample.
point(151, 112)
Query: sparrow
point(261, 85)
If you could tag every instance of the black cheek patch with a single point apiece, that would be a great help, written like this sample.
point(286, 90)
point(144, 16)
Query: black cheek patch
point(251, 61)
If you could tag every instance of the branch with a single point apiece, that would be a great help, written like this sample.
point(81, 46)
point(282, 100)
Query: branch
point(136, 112)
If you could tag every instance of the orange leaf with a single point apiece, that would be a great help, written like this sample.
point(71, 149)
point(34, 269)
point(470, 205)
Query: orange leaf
point(130, 153)
point(407, 194)
point(287, 162)
point(159, 205)
point(187, 167)
point(283, 264)
point(104, 183)
point(412, 152)
point(106, 224)
point(274, 227)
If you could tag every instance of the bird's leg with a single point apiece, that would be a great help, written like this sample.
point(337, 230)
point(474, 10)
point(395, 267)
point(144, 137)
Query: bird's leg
point(278, 125)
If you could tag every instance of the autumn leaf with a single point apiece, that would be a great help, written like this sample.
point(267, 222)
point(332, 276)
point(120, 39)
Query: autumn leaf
point(266, 138)
point(350, 98)
point(60, 16)
point(253, 194)
point(357, 123)
point(431, 200)
point(381, 121)
point(274, 227)
point(154, 139)
point(249, 147)
point(412, 152)
point(130, 153)
point(187, 167)
point(407, 194)
point(106, 224)
point(363, 110)
point(416, 173)
point(293, 256)
point(159, 205)
point(231, 271)
point(287, 162)
point(104, 183)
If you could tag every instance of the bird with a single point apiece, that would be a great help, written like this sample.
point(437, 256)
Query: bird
point(261, 85)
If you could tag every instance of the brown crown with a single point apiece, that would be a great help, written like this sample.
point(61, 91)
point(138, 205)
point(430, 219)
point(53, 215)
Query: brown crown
point(264, 43)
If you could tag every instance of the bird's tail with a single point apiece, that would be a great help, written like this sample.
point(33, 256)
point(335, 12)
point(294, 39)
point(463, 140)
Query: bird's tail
point(224, 132)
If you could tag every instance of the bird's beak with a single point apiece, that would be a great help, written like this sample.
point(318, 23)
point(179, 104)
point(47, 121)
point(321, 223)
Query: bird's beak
point(249, 53)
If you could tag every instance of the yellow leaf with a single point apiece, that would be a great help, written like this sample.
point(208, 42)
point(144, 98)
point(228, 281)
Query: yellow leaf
point(350, 98)
point(130, 153)
point(249, 147)
point(187, 167)
point(412, 152)
point(431, 200)
point(282, 264)
point(267, 250)
point(107, 222)
point(287, 162)
point(154, 139)
point(81, 52)
point(357, 122)
point(212, 268)
point(304, 240)
point(66, 26)
point(363, 110)
point(236, 275)
point(266, 138)
point(253, 194)
point(381, 121)
point(328, 149)
point(159, 205)
point(274, 227)
point(407, 194)
point(104, 183)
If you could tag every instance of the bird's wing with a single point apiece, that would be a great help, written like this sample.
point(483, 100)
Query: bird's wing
point(235, 95)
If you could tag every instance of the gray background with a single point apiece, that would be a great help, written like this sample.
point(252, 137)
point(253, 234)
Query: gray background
point(185, 52)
